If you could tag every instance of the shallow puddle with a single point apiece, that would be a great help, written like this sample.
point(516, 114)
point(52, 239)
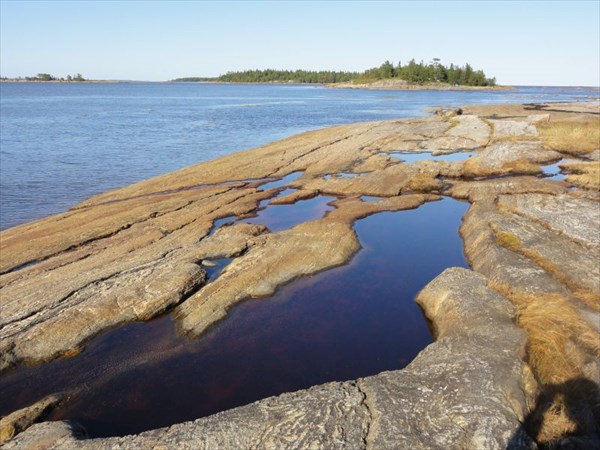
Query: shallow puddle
point(282, 217)
point(352, 321)
point(214, 267)
point(343, 175)
point(427, 156)
point(553, 172)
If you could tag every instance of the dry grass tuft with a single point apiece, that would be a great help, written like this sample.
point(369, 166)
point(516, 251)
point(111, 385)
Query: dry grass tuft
point(583, 174)
point(568, 404)
point(508, 240)
point(512, 242)
point(566, 410)
point(577, 137)
point(590, 299)
point(551, 322)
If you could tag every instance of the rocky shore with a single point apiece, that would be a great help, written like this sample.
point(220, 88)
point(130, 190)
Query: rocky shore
point(515, 361)
point(395, 84)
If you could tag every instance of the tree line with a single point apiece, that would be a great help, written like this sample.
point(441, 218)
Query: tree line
point(434, 72)
point(279, 76)
point(48, 77)
point(412, 72)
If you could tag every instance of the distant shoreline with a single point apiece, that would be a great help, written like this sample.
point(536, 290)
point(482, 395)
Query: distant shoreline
point(17, 80)
point(400, 85)
point(377, 85)
point(344, 85)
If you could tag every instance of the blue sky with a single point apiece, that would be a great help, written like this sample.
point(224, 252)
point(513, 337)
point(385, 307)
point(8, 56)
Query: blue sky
point(527, 43)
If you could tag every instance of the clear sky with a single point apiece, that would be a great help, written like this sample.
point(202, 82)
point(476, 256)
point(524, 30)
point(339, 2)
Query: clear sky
point(520, 43)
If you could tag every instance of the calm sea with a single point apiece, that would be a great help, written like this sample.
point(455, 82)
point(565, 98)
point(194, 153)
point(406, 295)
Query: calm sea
point(62, 143)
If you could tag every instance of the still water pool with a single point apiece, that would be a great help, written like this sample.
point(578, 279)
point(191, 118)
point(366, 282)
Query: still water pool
point(353, 321)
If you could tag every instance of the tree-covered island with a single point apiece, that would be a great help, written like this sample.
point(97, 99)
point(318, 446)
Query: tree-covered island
point(412, 72)
point(46, 77)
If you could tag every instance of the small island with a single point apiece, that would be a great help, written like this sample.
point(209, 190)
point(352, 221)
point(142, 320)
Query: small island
point(46, 77)
point(413, 75)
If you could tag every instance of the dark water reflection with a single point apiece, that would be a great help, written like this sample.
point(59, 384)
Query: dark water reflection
point(349, 322)
point(282, 217)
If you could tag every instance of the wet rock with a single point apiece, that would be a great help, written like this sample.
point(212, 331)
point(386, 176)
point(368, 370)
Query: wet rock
point(463, 391)
point(22, 419)
point(302, 250)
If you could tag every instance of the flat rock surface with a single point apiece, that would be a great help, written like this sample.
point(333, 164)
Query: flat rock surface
point(135, 253)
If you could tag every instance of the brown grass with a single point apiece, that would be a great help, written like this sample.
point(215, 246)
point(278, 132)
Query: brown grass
point(552, 324)
point(578, 137)
point(512, 242)
point(508, 240)
point(583, 174)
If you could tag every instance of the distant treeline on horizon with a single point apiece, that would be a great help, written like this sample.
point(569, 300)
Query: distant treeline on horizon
point(48, 77)
point(413, 72)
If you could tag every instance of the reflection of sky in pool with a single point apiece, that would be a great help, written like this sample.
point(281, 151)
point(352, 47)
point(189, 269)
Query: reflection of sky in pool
point(414, 157)
point(353, 321)
point(281, 217)
point(552, 171)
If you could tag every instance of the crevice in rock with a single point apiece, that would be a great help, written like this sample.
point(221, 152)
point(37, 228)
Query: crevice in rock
point(345, 138)
point(183, 295)
point(367, 438)
point(81, 244)
point(57, 307)
point(123, 228)
point(196, 187)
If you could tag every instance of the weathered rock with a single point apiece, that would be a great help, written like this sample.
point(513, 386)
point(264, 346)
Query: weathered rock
point(511, 128)
point(294, 197)
point(566, 259)
point(51, 308)
point(133, 253)
point(576, 218)
point(509, 157)
point(468, 133)
point(463, 391)
point(541, 251)
point(490, 189)
point(303, 250)
point(22, 419)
